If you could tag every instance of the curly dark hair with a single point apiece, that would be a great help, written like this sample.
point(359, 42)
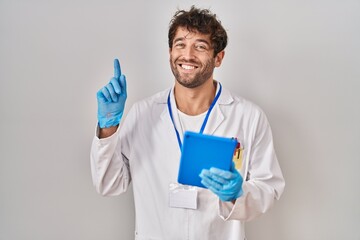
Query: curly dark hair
point(202, 21)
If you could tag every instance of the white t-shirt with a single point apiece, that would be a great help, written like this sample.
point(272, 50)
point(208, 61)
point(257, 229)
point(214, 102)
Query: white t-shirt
point(191, 123)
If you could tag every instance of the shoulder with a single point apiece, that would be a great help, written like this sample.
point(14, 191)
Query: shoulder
point(238, 103)
point(151, 102)
point(242, 109)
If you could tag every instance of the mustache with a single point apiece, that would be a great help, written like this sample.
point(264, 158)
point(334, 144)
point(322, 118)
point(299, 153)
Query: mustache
point(182, 60)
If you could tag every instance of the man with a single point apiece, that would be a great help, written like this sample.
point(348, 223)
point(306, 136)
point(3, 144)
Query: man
point(145, 150)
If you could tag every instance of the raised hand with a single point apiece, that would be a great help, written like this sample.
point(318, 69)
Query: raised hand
point(111, 99)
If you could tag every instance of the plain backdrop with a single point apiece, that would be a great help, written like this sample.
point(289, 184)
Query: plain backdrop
point(298, 60)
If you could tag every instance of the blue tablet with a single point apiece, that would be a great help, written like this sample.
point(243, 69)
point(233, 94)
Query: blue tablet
point(201, 151)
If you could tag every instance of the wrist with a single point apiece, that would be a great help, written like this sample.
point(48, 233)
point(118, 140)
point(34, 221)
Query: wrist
point(107, 131)
point(109, 119)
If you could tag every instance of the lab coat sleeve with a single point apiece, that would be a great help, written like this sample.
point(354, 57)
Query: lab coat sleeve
point(109, 161)
point(264, 181)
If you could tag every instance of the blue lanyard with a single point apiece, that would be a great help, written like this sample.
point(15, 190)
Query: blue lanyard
point(205, 120)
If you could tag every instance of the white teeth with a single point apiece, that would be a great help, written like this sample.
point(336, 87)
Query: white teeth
point(187, 67)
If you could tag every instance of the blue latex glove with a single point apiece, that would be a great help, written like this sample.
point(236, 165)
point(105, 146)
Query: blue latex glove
point(227, 185)
point(111, 99)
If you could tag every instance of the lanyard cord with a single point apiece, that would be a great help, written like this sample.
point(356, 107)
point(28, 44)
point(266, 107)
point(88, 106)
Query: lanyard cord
point(205, 120)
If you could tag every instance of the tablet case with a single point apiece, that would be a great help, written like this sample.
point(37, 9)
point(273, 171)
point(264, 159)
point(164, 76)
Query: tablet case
point(201, 151)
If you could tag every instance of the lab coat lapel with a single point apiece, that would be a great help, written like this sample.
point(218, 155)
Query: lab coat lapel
point(217, 116)
point(215, 119)
point(165, 117)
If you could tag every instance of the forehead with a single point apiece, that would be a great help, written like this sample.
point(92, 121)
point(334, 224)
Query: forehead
point(184, 34)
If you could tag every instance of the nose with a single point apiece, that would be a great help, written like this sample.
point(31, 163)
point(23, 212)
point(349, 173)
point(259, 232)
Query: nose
point(188, 53)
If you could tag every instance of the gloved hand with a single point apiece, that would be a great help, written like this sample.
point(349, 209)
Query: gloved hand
point(111, 99)
point(227, 185)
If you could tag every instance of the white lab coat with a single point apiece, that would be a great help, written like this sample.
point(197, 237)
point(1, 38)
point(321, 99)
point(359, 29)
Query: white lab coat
point(145, 151)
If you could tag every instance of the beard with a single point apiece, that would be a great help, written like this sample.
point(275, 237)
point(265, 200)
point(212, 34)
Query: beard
point(190, 80)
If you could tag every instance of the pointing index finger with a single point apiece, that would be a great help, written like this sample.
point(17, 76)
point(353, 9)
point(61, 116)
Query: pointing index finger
point(117, 69)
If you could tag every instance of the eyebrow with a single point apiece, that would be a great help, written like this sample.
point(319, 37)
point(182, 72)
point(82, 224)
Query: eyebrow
point(197, 40)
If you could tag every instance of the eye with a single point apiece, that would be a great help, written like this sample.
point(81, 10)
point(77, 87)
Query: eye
point(179, 45)
point(201, 47)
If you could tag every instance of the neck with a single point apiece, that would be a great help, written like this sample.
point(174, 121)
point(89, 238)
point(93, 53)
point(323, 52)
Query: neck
point(194, 101)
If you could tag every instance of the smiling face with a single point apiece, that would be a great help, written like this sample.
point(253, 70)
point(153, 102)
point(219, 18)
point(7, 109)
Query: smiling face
point(192, 58)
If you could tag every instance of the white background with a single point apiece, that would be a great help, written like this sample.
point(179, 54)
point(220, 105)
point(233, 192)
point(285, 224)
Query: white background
point(298, 60)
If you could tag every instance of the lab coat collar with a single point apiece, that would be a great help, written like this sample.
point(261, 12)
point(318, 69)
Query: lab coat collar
point(224, 99)
point(216, 116)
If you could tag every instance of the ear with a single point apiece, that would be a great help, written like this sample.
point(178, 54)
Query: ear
point(218, 58)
